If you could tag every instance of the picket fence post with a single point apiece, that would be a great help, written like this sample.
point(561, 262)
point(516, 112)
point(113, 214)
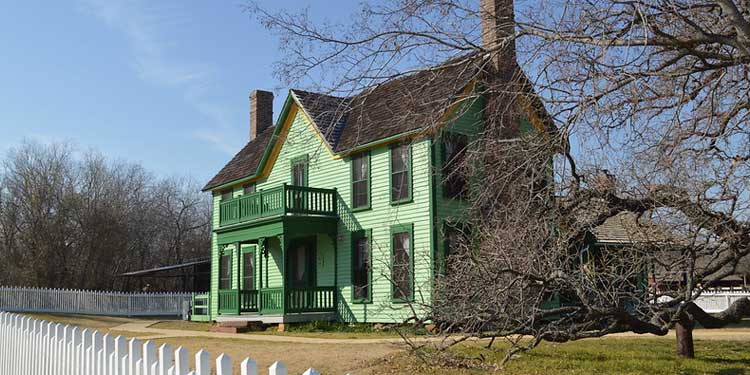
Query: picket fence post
point(31, 346)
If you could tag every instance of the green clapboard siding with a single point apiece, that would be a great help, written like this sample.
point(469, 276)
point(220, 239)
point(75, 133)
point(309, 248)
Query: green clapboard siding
point(325, 171)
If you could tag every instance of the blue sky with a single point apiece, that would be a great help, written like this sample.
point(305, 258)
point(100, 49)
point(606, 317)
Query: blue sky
point(161, 83)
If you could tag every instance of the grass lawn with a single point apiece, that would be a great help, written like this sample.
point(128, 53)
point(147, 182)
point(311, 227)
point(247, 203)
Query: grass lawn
point(593, 356)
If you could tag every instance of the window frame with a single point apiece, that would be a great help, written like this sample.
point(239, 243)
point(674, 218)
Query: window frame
point(461, 195)
point(356, 236)
point(368, 180)
point(409, 171)
point(396, 229)
point(224, 192)
point(226, 253)
point(300, 160)
point(252, 186)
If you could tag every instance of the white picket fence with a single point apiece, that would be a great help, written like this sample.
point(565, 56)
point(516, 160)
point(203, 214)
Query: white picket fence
point(718, 301)
point(67, 301)
point(31, 346)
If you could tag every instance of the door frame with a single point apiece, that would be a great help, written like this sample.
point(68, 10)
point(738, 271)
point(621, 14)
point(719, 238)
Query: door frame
point(252, 249)
point(312, 262)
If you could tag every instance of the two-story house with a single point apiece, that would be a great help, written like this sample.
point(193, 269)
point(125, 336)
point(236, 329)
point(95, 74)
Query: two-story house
point(341, 211)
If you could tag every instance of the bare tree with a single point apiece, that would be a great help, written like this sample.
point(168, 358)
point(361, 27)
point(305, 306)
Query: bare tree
point(78, 222)
point(655, 92)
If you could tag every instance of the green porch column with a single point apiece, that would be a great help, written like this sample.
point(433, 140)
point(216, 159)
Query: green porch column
point(237, 256)
point(283, 243)
point(262, 254)
point(334, 238)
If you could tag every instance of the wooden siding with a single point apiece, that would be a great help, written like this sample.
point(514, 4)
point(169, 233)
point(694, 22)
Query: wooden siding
point(326, 172)
point(468, 122)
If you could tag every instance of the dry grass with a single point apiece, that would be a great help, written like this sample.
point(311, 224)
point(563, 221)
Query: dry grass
point(612, 355)
point(98, 322)
point(326, 358)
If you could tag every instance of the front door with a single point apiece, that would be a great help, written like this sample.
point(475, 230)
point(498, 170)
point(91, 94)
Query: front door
point(301, 263)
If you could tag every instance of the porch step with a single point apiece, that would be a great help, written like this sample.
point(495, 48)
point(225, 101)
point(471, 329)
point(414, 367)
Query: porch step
point(232, 324)
point(230, 327)
point(236, 326)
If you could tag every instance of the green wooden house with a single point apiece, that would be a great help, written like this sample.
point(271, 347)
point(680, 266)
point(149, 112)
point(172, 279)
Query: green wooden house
point(341, 211)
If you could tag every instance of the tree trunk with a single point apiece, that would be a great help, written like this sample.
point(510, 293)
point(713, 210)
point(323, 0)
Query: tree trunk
point(684, 331)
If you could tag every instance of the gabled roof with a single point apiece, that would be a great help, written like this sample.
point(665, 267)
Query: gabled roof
point(405, 105)
point(244, 163)
point(409, 103)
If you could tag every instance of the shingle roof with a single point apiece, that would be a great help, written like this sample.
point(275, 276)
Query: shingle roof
point(244, 163)
point(626, 227)
point(398, 106)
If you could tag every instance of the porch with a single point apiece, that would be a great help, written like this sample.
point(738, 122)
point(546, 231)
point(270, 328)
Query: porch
point(277, 301)
point(276, 257)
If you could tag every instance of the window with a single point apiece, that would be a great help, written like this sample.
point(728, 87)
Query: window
point(454, 236)
point(454, 183)
point(361, 267)
point(248, 189)
point(225, 270)
point(248, 270)
point(361, 181)
point(299, 171)
point(402, 263)
point(226, 194)
point(400, 174)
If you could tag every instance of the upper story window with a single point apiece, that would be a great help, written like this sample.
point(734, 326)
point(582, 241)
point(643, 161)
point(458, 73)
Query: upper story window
point(361, 181)
point(248, 188)
point(454, 149)
point(226, 194)
point(401, 173)
point(299, 171)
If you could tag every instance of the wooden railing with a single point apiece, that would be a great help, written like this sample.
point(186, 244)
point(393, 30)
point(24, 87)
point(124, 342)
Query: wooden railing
point(277, 301)
point(271, 301)
point(229, 301)
point(317, 299)
point(285, 199)
point(249, 300)
point(200, 307)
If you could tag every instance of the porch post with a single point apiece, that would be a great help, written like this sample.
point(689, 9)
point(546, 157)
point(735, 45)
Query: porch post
point(334, 238)
point(236, 291)
point(261, 255)
point(283, 244)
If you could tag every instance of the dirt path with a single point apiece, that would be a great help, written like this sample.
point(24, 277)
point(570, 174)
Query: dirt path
point(145, 327)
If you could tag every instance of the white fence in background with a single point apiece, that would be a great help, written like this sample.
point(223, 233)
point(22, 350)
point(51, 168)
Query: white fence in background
point(718, 301)
point(31, 347)
point(66, 301)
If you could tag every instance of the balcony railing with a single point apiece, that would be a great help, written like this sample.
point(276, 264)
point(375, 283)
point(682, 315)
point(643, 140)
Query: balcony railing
point(282, 200)
point(278, 301)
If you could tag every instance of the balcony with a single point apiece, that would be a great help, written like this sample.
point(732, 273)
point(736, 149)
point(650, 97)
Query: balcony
point(279, 201)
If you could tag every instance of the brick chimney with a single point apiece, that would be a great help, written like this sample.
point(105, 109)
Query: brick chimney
point(261, 112)
point(498, 28)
